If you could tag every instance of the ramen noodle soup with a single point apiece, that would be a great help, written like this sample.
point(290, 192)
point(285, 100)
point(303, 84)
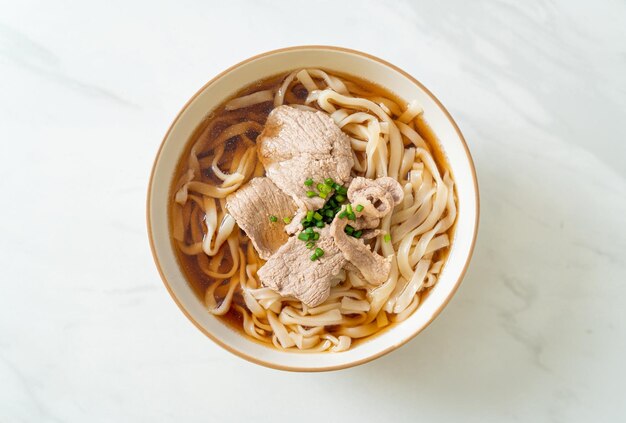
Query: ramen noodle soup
point(312, 210)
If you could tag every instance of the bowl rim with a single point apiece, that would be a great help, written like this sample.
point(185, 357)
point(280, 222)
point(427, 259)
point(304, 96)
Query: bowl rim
point(378, 354)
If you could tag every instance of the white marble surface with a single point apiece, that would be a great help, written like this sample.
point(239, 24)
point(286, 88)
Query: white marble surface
point(537, 332)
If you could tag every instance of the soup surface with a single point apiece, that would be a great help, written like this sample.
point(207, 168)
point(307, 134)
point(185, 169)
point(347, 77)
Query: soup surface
point(387, 138)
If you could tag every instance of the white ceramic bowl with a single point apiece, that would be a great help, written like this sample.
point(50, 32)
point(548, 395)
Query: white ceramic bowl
point(333, 59)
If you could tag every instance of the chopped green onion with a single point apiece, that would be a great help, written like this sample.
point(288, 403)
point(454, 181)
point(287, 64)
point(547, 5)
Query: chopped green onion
point(349, 230)
point(324, 216)
point(310, 194)
point(387, 237)
point(310, 245)
point(314, 257)
point(329, 182)
point(308, 182)
point(287, 220)
point(359, 208)
point(273, 218)
point(357, 234)
point(319, 252)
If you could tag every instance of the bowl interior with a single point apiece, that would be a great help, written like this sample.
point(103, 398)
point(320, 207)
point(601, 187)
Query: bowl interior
point(338, 60)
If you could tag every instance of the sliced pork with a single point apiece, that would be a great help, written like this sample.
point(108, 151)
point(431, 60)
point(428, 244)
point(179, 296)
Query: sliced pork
point(252, 206)
point(292, 273)
point(378, 198)
point(373, 267)
point(296, 145)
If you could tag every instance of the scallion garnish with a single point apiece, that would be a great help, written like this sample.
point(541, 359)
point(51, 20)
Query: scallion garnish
point(387, 237)
point(324, 216)
point(324, 188)
point(287, 220)
point(273, 218)
point(319, 252)
point(359, 208)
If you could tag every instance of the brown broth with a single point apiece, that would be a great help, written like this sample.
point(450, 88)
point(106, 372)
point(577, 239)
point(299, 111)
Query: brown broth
point(196, 278)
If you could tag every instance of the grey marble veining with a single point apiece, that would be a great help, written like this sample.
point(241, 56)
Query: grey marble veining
point(537, 332)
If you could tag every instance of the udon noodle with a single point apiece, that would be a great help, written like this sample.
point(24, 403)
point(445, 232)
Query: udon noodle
point(386, 141)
